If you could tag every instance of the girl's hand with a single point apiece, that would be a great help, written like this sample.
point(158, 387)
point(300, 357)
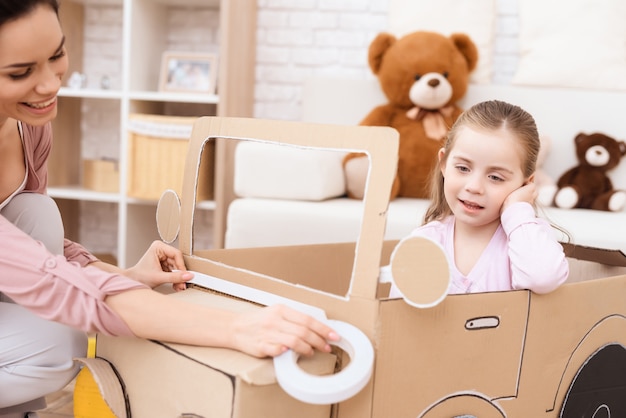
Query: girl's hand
point(161, 264)
point(526, 193)
point(272, 330)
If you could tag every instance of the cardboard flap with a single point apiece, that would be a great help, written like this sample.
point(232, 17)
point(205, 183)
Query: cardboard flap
point(252, 370)
point(379, 143)
point(598, 255)
point(109, 385)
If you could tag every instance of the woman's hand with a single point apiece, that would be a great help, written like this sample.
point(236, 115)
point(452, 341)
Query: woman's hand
point(272, 330)
point(161, 264)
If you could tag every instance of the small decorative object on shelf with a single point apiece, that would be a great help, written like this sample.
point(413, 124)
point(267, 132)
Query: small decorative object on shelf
point(77, 80)
point(188, 72)
point(101, 175)
point(105, 82)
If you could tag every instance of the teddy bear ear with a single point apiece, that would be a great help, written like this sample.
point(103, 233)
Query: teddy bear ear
point(579, 138)
point(377, 50)
point(467, 47)
point(622, 147)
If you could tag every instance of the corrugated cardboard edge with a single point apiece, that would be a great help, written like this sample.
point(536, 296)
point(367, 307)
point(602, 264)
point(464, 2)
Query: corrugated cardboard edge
point(599, 255)
point(110, 386)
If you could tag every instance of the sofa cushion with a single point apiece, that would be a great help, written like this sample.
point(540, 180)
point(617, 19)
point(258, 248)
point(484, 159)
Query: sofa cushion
point(270, 222)
point(284, 172)
point(254, 222)
point(572, 43)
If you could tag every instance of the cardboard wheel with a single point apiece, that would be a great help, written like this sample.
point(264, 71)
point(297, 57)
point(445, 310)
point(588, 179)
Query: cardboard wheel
point(464, 406)
point(422, 285)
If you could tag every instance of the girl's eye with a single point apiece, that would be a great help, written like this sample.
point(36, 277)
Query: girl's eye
point(496, 178)
point(462, 168)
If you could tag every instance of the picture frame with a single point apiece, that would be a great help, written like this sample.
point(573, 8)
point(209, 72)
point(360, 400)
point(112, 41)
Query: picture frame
point(187, 72)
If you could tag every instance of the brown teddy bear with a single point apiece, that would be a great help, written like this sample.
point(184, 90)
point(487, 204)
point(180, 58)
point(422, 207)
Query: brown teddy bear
point(422, 74)
point(587, 185)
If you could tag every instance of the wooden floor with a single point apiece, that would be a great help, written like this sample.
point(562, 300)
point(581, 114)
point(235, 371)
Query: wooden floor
point(60, 404)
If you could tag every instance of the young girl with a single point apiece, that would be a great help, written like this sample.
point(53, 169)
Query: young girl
point(482, 209)
point(44, 278)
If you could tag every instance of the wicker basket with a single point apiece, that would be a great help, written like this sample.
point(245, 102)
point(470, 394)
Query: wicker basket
point(156, 156)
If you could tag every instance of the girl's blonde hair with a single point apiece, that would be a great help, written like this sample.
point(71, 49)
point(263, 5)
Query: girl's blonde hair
point(490, 115)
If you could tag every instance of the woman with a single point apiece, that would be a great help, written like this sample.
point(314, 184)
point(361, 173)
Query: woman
point(52, 290)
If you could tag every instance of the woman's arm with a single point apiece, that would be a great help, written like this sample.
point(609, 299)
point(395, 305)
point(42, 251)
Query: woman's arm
point(264, 332)
point(94, 300)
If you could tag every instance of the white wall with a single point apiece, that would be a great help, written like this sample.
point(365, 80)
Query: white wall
point(295, 39)
point(300, 38)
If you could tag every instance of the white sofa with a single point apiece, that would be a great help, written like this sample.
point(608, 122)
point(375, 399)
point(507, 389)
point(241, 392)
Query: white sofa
point(287, 197)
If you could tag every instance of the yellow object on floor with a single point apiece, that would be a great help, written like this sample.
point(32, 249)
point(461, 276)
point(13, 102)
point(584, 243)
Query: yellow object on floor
point(88, 402)
point(91, 346)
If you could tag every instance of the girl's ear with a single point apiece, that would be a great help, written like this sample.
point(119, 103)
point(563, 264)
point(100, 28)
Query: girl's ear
point(531, 179)
point(441, 155)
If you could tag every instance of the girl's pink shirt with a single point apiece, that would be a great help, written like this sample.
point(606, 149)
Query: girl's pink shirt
point(522, 254)
point(59, 288)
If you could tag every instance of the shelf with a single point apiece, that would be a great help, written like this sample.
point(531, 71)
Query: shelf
point(90, 93)
point(79, 193)
point(100, 2)
point(191, 3)
point(198, 3)
point(125, 40)
point(154, 96)
point(204, 204)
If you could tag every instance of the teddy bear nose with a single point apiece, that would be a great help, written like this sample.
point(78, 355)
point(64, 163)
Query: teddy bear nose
point(433, 82)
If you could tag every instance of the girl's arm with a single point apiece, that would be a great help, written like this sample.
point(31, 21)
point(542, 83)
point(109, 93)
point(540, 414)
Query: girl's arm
point(538, 262)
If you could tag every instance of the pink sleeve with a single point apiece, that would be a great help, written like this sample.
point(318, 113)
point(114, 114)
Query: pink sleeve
point(77, 253)
point(38, 143)
point(537, 259)
point(57, 289)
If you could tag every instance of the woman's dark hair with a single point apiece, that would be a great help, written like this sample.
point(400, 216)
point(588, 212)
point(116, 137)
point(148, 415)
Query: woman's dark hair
point(15, 9)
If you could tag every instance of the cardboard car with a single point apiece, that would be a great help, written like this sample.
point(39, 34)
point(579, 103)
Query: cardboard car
point(487, 355)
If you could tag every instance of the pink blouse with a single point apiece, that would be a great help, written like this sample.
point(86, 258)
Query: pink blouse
point(59, 288)
point(37, 145)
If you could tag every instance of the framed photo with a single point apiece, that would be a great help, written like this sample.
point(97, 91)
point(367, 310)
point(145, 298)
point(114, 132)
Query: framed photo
point(188, 72)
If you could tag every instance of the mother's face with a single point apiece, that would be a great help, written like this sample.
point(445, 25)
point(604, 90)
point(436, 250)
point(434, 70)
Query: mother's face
point(33, 61)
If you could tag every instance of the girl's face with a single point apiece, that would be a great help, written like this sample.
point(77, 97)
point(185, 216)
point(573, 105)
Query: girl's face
point(32, 62)
point(481, 170)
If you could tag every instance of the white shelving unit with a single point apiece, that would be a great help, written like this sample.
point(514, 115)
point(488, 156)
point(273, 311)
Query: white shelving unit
point(144, 38)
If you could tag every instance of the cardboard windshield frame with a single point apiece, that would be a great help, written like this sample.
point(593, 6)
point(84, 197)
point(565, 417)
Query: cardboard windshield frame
point(381, 145)
point(495, 354)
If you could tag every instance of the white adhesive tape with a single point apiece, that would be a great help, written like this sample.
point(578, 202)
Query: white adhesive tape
point(296, 382)
point(334, 388)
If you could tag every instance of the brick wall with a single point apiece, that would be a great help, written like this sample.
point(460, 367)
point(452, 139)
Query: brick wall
point(295, 39)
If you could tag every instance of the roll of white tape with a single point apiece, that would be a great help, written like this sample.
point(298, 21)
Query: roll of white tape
point(295, 381)
point(334, 388)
